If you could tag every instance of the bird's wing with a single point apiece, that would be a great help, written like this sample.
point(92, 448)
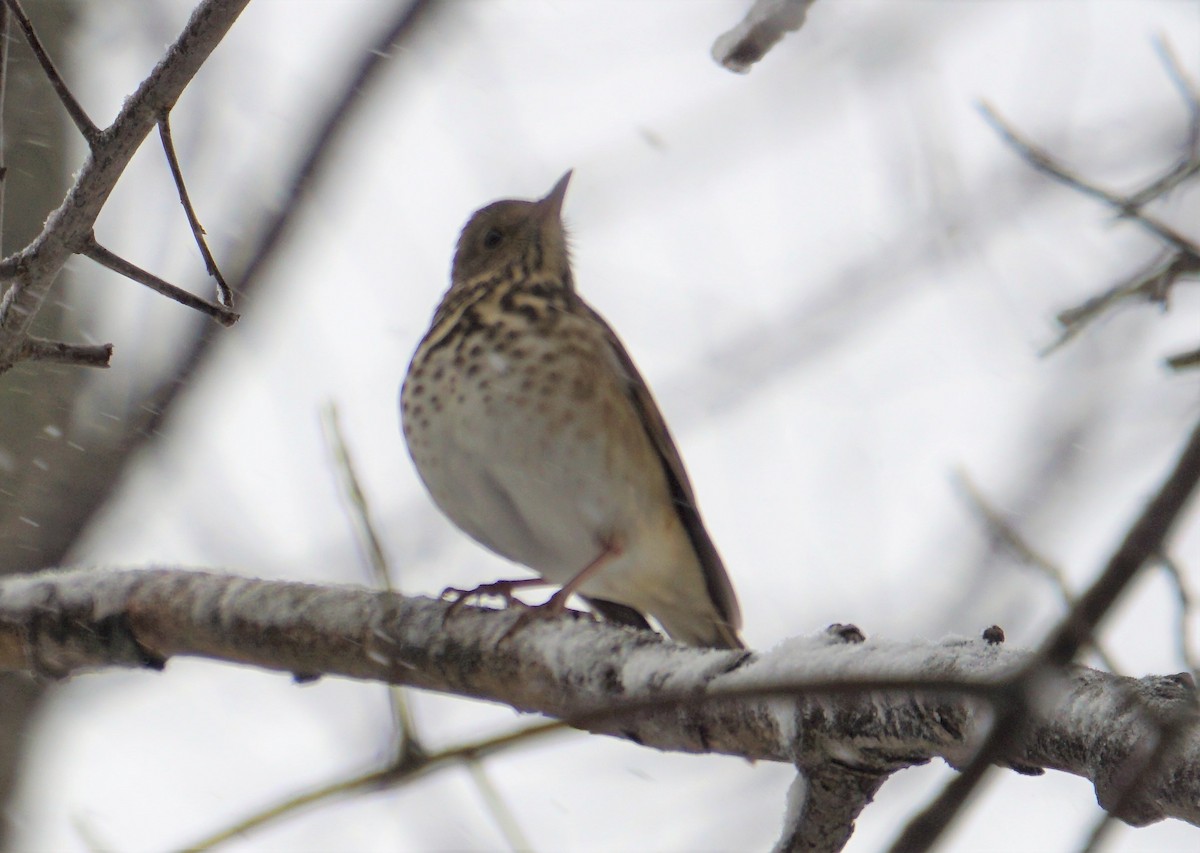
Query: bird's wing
point(720, 589)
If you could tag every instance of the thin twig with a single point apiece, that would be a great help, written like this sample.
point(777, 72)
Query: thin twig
point(357, 509)
point(406, 740)
point(87, 355)
point(82, 122)
point(1184, 360)
point(316, 157)
point(1145, 539)
point(495, 803)
point(99, 254)
point(1187, 89)
point(1154, 284)
point(1044, 162)
point(69, 226)
point(1188, 163)
point(387, 778)
point(224, 294)
point(1008, 536)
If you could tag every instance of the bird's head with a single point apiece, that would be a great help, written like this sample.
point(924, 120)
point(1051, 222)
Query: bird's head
point(527, 235)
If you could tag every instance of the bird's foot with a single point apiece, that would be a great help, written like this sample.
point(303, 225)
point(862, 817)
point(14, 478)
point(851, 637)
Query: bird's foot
point(503, 589)
point(554, 607)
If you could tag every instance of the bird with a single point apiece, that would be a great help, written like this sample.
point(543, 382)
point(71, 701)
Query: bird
point(535, 434)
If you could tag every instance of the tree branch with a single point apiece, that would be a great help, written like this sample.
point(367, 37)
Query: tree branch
point(88, 355)
point(224, 294)
point(91, 249)
point(871, 707)
point(68, 227)
point(1145, 539)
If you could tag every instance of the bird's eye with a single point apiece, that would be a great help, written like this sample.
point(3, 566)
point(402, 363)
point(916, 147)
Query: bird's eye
point(492, 238)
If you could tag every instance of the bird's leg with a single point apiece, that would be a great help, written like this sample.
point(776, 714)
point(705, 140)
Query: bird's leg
point(557, 603)
point(504, 589)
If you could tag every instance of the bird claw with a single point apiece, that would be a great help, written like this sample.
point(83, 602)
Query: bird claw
point(553, 608)
point(503, 589)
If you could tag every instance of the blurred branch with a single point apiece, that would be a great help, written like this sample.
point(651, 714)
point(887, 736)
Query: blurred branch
point(357, 510)
point(407, 744)
point(1002, 531)
point(1146, 538)
point(86, 127)
point(316, 157)
point(224, 294)
point(70, 226)
point(874, 706)
point(765, 24)
point(388, 778)
point(1126, 207)
point(409, 753)
point(1155, 282)
point(1188, 163)
point(495, 804)
point(1184, 360)
point(375, 60)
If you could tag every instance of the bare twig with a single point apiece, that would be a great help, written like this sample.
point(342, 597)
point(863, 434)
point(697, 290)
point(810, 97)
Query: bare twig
point(316, 156)
point(1125, 207)
point(494, 801)
point(224, 294)
point(86, 355)
point(1007, 535)
point(99, 254)
point(1154, 284)
point(408, 751)
point(1184, 360)
point(83, 123)
point(69, 226)
point(335, 123)
point(1156, 281)
point(357, 509)
point(1188, 163)
point(387, 778)
point(1145, 539)
point(407, 743)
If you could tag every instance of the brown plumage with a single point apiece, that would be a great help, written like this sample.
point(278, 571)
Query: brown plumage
point(534, 432)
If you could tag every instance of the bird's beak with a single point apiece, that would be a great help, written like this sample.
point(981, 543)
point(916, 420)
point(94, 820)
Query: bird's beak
point(550, 207)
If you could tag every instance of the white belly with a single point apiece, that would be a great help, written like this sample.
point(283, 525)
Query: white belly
point(545, 470)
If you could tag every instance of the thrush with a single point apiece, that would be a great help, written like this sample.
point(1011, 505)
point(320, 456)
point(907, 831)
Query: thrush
point(536, 435)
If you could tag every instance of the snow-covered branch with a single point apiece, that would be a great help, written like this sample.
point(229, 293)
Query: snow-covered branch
point(867, 709)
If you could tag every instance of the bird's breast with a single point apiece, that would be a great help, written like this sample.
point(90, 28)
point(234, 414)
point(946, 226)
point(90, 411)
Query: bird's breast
point(528, 442)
